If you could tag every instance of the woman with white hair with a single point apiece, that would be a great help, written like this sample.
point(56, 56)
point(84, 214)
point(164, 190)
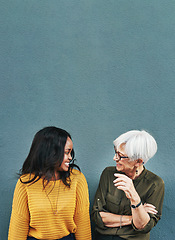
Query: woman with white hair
point(128, 202)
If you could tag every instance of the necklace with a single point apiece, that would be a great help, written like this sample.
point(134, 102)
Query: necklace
point(52, 206)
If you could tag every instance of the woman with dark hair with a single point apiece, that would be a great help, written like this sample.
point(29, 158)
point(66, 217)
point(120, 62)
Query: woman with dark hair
point(51, 199)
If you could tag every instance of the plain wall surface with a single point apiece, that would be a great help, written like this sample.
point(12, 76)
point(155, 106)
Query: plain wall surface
point(95, 68)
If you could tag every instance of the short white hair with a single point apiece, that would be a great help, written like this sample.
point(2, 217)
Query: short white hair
point(137, 144)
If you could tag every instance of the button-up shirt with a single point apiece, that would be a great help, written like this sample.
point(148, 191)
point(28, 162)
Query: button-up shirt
point(109, 198)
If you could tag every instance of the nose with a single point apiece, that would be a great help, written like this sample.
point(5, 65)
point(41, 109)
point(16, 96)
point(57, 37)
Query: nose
point(70, 157)
point(115, 158)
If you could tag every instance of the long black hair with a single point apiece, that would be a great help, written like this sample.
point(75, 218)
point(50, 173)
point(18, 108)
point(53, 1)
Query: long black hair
point(45, 155)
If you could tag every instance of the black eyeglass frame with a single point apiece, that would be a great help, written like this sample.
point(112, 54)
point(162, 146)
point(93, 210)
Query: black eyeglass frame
point(117, 153)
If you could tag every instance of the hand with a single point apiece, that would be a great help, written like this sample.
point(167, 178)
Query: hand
point(149, 208)
point(125, 183)
point(114, 220)
point(109, 219)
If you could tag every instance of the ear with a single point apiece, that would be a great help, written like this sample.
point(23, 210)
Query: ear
point(139, 162)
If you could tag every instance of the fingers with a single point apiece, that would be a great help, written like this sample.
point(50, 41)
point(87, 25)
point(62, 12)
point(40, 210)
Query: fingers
point(149, 205)
point(153, 211)
point(122, 181)
point(102, 214)
point(112, 225)
point(119, 183)
point(123, 186)
point(121, 177)
point(149, 208)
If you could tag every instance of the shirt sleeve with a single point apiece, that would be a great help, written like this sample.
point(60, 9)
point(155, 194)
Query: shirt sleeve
point(82, 217)
point(19, 222)
point(99, 200)
point(155, 196)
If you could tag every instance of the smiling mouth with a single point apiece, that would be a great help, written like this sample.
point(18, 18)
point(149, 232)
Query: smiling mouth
point(67, 164)
point(118, 164)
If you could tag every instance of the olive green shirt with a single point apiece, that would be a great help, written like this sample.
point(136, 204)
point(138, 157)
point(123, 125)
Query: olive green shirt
point(108, 198)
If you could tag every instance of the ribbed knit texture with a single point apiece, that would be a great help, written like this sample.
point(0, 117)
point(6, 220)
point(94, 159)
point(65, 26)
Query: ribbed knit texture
point(46, 214)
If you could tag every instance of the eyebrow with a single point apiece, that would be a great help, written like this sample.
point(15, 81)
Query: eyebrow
point(119, 152)
point(122, 154)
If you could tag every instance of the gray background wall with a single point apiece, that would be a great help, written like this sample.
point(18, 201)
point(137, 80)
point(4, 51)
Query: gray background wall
point(96, 68)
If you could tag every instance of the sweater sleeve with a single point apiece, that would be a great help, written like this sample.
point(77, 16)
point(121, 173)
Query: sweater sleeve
point(19, 222)
point(81, 217)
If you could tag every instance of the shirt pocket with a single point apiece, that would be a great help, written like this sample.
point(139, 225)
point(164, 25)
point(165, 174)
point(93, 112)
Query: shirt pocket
point(112, 203)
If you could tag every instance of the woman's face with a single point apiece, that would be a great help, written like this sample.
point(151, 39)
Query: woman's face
point(67, 155)
point(123, 164)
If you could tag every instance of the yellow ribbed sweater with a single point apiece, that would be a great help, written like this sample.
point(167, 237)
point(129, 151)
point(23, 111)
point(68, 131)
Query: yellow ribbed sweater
point(44, 215)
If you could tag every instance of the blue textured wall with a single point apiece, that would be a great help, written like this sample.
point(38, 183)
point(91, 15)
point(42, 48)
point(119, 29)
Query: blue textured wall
point(96, 68)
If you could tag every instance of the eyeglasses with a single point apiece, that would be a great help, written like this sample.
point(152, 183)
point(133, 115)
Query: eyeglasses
point(119, 156)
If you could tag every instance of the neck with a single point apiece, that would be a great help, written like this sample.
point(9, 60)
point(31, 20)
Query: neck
point(135, 172)
point(57, 175)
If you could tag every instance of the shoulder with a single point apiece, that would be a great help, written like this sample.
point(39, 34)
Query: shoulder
point(28, 181)
point(78, 176)
point(109, 170)
point(26, 177)
point(107, 174)
point(22, 179)
point(20, 189)
point(19, 184)
point(152, 177)
point(76, 173)
point(78, 182)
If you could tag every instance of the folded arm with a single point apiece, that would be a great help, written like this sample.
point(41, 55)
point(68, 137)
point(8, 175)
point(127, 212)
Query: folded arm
point(114, 220)
point(140, 216)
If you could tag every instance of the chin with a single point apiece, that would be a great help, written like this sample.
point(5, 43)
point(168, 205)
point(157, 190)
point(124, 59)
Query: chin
point(119, 168)
point(66, 169)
